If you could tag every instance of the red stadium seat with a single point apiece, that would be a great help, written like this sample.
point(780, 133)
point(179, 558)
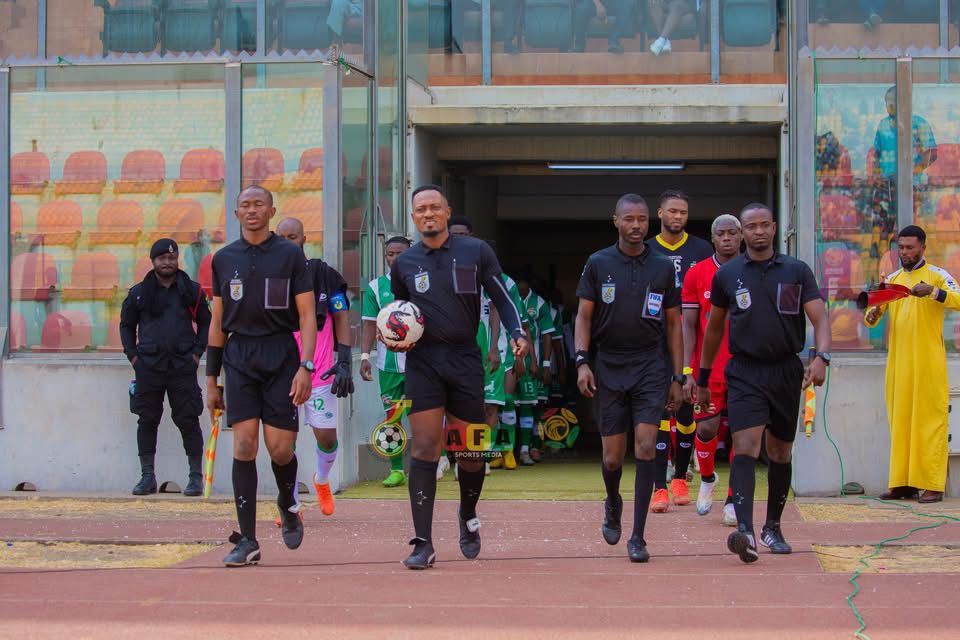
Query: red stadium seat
point(29, 172)
point(219, 234)
point(309, 210)
point(181, 220)
point(66, 331)
point(948, 213)
point(142, 171)
point(18, 331)
point(264, 167)
point(95, 276)
point(945, 172)
point(32, 276)
point(838, 216)
point(59, 223)
point(352, 224)
point(114, 344)
point(309, 175)
point(118, 222)
point(143, 267)
point(83, 172)
point(205, 274)
point(201, 170)
point(16, 219)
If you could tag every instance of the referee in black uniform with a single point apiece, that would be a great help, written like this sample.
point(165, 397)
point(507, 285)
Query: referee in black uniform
point(629, 305)
point(766, 295)
point(262, 293)
point(442, 274)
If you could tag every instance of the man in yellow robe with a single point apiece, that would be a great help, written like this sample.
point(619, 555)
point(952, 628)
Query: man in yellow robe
point(917, 390)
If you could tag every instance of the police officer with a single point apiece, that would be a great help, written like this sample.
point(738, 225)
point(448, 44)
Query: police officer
point(262, 293)
point(629, 306)
point(157, 322)
point(766, 295)
point(443, 275)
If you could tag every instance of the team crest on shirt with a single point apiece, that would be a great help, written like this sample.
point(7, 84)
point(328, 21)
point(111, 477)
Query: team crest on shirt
point(236, 290)
point(421, 282)
point(608, 293)
point(743, 298)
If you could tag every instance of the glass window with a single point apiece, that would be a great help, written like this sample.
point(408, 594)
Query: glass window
point(356, 191)
point(645, 42)
point(936, 165)
point(856, 176)
point(753, 41)
point(283, 142)
point(873, 23)
point(102, 27)
point(390, 123)
point(294, 25)
point(18, 28)
point(104, 161)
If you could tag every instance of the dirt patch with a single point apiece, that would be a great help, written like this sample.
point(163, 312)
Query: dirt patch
point(844, 512)
point(905, 558)
point(77, 555)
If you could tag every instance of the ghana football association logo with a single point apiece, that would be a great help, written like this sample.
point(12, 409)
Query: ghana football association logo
point(389, 439)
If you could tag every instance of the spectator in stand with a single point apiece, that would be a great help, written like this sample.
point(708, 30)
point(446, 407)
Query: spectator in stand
point(510, 10)
point(340, 10)
point(666, 15)
point(871, 12)
point(619, 12)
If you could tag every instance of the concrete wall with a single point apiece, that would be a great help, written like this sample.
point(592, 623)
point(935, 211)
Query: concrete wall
point(67, 427)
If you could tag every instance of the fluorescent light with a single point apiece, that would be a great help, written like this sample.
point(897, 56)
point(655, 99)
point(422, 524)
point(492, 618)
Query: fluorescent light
point(670, 166)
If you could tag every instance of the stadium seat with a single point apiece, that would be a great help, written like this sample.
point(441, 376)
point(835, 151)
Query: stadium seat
point(838, 216)
point(692, 26)
point(747, 23)
point(201, 170)
point(238, 26)
point(66, 331)
point(142, 171)
point(921, 10)
point(190, 25)
point(945, 172)
point(439, 17)
point(302, 24)
point(205, 274)
point(181, 220)
point(143, 267)
point(95, 276)
point(948, 213)
point(218, 235)
point(16, 220)
point(113, 343)
point(59, 223)
point(118, 222)
point(309, 176)
point(264, 167)
point(130, 26)
point(352, 225)
point(548, 23)
point(350, 268)
point(33, 276)
point(18, 331)
point(29, 172)
point(309, 210)
point(83, 172)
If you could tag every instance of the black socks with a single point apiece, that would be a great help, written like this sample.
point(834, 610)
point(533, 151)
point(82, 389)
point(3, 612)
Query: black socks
point(743, 481)
point(423, 490)
point(779, 485)
point(611, 480)
point(471, 484)
point(643, 490)
point(286, 476)
point(245, 496)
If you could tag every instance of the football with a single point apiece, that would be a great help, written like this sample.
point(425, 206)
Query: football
point(399, 324)
point(389, 440)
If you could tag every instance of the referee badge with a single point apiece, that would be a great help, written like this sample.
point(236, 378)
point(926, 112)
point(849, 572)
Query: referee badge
point(743, 298)
point(654, 303)
point(236, 290)
point(422, 282)
point(608, 293)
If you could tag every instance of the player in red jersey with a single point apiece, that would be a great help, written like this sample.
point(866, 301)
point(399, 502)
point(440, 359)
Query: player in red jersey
point(726, 236)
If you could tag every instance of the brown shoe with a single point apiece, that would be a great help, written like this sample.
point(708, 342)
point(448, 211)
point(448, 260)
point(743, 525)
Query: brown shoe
point(899, 493)
point(928, 497)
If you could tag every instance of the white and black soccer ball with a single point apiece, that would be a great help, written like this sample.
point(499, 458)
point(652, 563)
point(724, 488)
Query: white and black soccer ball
point(389, 440)
point(399, 324)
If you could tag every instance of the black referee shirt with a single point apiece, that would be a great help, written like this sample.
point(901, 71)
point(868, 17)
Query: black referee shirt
point(765, 299)
point(445, 283)
point(330, 287)
point(631, 295)
point(684, 254)
point(259, 284)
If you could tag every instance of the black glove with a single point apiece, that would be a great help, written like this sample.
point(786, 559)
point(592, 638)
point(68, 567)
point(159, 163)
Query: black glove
point(343, 377)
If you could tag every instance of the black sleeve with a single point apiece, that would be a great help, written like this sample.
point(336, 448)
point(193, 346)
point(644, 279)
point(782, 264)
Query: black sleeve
point(718, 296)
point(203, 322)
point(671, 298)
point(587, 288)
point(509, 314)
point(215, 288)
point(397, 285)
point(301, 279)
point(335, 283)
point(129, 319)
point(810, 290)
point(489, 265)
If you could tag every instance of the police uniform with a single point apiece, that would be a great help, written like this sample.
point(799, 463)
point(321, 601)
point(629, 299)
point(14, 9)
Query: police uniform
point(258, 285)
point(157, 328)
point(445, 368)
point(631, 295)
point(767, 329)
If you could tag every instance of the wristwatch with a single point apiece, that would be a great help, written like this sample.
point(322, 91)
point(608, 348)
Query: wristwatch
point(823, 355)
point(308, 365)
point(680, 379)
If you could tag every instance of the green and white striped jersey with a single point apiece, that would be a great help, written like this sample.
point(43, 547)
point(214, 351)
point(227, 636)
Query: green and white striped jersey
point(483, 331)
point(540, 316)
point(376, 295)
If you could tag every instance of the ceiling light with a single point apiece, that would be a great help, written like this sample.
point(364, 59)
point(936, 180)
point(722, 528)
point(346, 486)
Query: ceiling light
point(668, 166)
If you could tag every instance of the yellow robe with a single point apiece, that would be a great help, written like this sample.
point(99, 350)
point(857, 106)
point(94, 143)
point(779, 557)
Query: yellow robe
point(917, 391)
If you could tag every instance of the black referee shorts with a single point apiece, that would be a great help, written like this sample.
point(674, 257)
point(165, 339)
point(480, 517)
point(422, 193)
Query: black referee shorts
point(440, 375)
point(259, 374)
point(631, 390)
point(763, 393)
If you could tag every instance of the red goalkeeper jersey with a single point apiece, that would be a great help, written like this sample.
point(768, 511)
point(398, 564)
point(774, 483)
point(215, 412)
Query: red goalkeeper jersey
point(696, 295)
